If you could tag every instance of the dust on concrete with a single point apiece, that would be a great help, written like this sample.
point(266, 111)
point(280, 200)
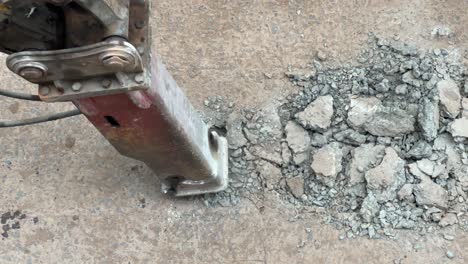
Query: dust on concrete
point(378, 146)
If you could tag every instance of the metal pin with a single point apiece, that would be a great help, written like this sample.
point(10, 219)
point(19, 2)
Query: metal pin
point(76, 87)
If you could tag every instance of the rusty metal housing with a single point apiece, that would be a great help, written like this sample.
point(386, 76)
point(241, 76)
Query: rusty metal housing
point(105, 63)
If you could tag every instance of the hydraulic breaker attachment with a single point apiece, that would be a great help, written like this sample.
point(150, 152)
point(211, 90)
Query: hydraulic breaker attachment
point(99, 55)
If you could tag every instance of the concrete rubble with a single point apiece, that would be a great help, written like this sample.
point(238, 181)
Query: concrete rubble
point(380, 145)
point(318, 115)
point(326, 163)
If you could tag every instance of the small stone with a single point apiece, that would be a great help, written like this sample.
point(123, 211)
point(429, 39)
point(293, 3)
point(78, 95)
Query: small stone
point(318, 140)
point(369, 209)
point(450, 254)
point(362, 109)
point(459, 128)
point(296, 186)
point(297, 137)
point(351, 137)
point(235, 135)
point(327, 163)
point(420, 150)
point(401, 89)
point(362, 159)
point(426, 166)
point(406, 193)
point(430, 193)
point(449, 237)
point(450, 97)
point(448, 220)
point(445, 143)
point(409, 78)
point(318, 114)
point(285, 153)
point(269, 151)
point(383, 86)
point(439, 170)
point(405, 224)
point(300, 158)
point(387, 178)
point(322, 55)
point(428, 119)
point(270, 174)
point(465, 106)
point(390, 122)
point(465, 103)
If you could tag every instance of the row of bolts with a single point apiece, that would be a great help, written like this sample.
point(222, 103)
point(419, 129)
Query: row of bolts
point(44, 90)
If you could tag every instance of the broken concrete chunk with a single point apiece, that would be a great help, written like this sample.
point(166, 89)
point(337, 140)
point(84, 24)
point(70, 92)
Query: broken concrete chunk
point(272, 128)
point(448, 220)
point(362, 109)
point(296, 186)
point(465, 103)
point(351, 137)
point(401, 89)
point(270, 174)
point(285, 153)
point(409, 78)
point(297, 137)
point(415, 171)
point(268, 151)
point(426, 166)
point(369, 209)
point(368, 113)
point(318, 140)
point(420, 150)
point(406, 193)
point(445, 143)
point(234, 128)
point(326, 163)
point(439, 170)
point(450, 98)
point(364, 158)
point(430, 193)
point(459, 128)
point(428, 119)
point(265, 126)
point(300, 158)
point(318, 114)
point(388, 177)
point(390, 122)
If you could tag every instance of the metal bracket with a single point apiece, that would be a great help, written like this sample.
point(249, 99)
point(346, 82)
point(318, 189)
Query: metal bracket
point(68, 90)
point(76, 63)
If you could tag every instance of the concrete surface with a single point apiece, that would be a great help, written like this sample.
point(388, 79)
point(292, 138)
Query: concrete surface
point(83, 203)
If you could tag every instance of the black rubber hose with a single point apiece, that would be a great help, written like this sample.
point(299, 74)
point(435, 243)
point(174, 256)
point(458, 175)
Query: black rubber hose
point(40, 119)
point(21, 96)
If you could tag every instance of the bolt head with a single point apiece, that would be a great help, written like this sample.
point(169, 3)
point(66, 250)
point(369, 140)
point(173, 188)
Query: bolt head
point(76, 87)
point(31, 73)
point(140, 24)
point(106, 83)
point(44, 90)
point(139, 78)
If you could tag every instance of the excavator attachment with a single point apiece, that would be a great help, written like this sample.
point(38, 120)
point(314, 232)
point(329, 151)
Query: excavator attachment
point(99, 55)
